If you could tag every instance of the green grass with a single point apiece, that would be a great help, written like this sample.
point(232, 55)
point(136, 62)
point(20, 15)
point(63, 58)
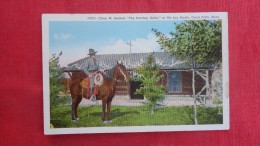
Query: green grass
point(134, 116)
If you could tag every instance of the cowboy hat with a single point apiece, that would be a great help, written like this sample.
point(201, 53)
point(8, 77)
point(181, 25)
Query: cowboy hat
point(92, 51)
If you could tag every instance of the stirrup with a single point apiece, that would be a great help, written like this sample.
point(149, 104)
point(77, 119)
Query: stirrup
point(93, 98)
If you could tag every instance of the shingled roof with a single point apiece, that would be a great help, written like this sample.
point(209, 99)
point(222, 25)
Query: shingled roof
point(107, 61)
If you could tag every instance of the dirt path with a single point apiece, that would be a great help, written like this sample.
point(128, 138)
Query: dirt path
point(125, 101)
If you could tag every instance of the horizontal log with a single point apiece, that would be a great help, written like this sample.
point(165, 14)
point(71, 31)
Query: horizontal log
point(121, 93)
point(121, 87)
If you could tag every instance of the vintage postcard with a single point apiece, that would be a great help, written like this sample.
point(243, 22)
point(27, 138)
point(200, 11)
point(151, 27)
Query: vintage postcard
point(147, 72)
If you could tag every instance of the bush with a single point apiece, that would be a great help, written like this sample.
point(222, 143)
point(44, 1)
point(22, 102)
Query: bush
point(55, 72)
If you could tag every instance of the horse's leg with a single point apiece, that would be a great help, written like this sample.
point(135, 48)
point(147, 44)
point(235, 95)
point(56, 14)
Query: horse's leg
point(104, 104)
point(108, 112)
point(73, 107)
point(76, 108)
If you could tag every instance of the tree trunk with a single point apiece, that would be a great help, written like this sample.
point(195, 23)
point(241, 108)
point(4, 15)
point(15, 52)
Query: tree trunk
point(152, 110)
point(194, 94)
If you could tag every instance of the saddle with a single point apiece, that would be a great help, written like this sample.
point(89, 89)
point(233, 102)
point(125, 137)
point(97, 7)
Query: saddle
point(85, 84)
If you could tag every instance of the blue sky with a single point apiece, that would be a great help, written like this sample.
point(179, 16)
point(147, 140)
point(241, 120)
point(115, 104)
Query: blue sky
point(74, 38)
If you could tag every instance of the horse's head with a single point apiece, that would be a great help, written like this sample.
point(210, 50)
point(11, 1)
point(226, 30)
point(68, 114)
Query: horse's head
point(120, 73)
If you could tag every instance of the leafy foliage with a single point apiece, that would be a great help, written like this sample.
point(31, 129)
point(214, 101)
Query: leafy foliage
point(135, 116)
point(148, 75)
point(198, 41)
point(55, 72)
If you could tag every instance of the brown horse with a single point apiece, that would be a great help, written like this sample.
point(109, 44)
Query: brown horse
point(105, 93)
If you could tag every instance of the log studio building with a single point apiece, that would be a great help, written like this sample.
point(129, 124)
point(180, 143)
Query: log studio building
point(177, 75)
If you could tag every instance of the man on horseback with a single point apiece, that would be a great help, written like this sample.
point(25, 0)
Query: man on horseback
point(92, 62)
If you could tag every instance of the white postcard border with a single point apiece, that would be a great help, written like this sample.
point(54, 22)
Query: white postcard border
point(46, 18)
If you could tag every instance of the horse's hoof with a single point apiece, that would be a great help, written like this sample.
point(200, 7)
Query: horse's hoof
point(75, 120)
point(105, 122)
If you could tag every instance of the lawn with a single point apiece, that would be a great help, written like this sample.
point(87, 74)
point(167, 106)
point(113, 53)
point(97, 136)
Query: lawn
point(90, 116)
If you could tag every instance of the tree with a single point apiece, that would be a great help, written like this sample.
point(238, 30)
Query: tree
point(55, 72)
point(55, 79)
point(196, 42)
point(199, 41)
point(148, 76)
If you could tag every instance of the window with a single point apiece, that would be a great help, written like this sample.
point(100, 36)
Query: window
point(174, 82)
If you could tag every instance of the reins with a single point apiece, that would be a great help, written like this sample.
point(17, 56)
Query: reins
point(122, 74)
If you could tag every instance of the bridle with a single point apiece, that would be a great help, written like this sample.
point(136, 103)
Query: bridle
point(122, 74)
